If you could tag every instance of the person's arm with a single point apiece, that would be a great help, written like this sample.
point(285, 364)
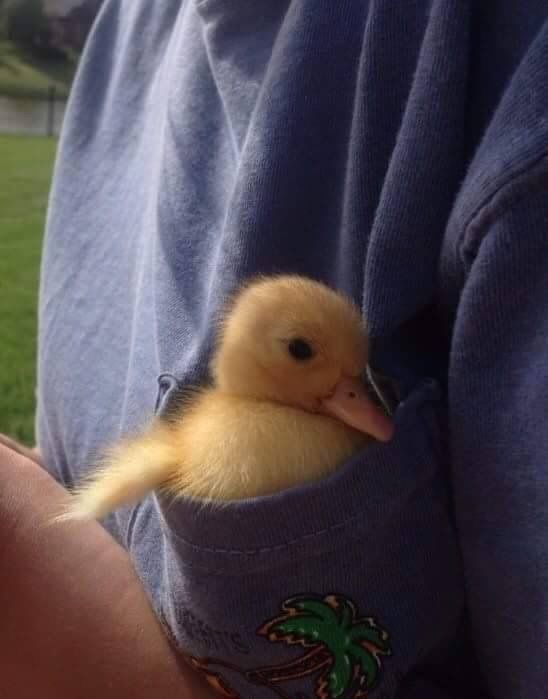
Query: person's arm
point(498, 397)
point(75, 619)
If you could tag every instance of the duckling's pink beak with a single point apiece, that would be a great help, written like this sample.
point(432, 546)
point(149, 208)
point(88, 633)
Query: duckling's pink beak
point(351, 404)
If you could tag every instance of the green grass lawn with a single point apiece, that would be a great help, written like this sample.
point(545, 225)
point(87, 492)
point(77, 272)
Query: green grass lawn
point(22, 74)
point(25, 172)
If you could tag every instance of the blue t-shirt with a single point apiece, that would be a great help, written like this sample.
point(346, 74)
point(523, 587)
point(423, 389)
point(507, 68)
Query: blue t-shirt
point(399, 152)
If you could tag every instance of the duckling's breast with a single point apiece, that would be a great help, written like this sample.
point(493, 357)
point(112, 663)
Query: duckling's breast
point(237, 448)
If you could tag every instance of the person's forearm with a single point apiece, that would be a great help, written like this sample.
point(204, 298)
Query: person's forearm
point(75, 619)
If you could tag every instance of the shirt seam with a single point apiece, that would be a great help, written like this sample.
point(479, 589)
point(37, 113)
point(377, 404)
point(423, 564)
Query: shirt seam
point(268, 549)
point(531, 177)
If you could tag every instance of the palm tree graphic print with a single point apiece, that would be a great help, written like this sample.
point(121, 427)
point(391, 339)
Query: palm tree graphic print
point(343, 652)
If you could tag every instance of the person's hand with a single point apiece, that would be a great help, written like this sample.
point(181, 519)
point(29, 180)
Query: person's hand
point(75, 619)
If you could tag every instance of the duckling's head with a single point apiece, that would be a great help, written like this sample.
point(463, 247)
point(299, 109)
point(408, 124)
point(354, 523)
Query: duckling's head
point(295, 341)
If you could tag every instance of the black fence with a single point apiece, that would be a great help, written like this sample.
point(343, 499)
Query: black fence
point(36, 114)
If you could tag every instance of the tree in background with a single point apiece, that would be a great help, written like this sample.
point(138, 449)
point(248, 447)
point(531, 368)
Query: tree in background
point(26, 24)
point(2, 21)
point(29, 24)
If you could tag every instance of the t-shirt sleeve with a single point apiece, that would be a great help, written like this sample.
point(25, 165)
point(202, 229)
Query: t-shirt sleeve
point(498, 398)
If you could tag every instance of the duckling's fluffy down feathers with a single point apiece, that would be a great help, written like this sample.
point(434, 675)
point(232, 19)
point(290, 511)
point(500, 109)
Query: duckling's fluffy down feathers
point(262, 427)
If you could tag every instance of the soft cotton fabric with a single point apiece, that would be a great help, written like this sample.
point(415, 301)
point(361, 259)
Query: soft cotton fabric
point(399, 152)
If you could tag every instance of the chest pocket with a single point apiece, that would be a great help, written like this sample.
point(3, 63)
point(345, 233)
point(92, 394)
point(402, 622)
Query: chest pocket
point(334, 589)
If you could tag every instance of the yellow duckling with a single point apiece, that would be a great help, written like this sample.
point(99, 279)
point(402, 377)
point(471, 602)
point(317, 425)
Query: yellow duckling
point(286, 407)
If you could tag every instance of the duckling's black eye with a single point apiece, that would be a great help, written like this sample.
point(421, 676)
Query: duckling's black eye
point(300, 349)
